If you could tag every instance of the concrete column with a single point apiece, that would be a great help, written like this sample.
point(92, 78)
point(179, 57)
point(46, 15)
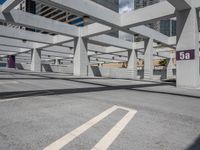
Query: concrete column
point(81, 60)
point(132, 63)
point(170, 67)
point(148, 59)
point(36, 60)
point(188, 39)
point(57, 61)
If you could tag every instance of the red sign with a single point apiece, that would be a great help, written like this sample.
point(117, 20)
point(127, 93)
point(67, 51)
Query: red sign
point(185, 55)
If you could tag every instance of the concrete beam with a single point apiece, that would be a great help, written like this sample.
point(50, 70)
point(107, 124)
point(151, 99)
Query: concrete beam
point(111, 57)
point(7, 53)
point(21, 18)
point(180, 4)
point(111, 41)
point(58, 39)
point(12, 49)
point(196, 4)
point(9, 5)
point(102, 60)
point(59, 49)
point(96, 48)
point(87, 7)
point(49, 53)
point(158, 11)
point(112, 49)
point(94, 30)
point(16, 43)
point(150, 33)
point(25, 35)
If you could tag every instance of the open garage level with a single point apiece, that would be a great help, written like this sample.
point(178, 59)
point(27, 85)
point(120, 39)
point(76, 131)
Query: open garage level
point(99, 75)
point(39, 109)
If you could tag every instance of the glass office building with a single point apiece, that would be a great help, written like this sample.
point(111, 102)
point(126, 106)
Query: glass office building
point(111, 4)
point(167, 27)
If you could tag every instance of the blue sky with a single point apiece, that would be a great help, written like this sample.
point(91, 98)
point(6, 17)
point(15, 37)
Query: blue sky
point(2, 1)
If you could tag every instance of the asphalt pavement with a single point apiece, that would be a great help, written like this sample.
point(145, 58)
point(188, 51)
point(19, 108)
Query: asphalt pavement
point(43, 111)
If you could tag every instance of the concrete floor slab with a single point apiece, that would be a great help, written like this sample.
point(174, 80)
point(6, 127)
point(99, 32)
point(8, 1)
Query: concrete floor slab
point(46, 106)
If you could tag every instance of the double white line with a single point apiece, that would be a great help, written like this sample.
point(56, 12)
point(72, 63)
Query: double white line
point(107, 140)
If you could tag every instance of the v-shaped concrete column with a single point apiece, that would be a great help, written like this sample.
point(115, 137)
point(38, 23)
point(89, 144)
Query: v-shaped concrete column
point(132, 63)
point(187, 41)
point(57, 61)
point(81, 60)
point(170, 67)
point(148, 58)
point(36, 60)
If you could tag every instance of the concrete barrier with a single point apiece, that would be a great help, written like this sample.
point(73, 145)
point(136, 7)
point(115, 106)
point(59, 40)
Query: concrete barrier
point(57, 68)
point(126, 73)
point(48, 68)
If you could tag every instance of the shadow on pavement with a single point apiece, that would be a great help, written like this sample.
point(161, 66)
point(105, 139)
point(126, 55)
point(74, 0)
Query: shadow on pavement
point(103, 87)
point(16, 94)
point(195, 145)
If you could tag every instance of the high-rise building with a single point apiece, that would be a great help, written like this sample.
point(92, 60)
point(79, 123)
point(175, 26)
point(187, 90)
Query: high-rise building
point(111, 4)
point(124, 7)
point(167, 27)
point(143, 3)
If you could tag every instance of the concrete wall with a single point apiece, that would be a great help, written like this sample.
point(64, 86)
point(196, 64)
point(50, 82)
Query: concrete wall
point(47, 68)
point(23, 66)
point(56, 68)
point(126, 73)
point(100, 71)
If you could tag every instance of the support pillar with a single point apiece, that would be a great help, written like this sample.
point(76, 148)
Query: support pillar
point(132, 63)
point(81, 61)
point(57, 61)
point(148, 59)
point(36, 60)
point(187, 40)
point(170, 67)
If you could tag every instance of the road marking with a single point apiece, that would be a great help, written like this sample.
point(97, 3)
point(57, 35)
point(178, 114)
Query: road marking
point(57, 145)
point(112, 134)
point(9, 82)
point(110, 137)
point(8, 100)
point(22, 95)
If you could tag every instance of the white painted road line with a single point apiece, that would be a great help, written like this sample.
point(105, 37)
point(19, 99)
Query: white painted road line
point(21, 95)
point(8, 100)
point(60, 143)
point(110, 137)
point(107, 140)
point(9, 82)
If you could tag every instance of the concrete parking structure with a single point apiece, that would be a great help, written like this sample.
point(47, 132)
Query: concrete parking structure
point(70, 80)
point(34, 115)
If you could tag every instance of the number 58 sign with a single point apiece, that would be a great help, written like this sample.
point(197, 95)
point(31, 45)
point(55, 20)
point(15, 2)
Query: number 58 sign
point(185, 55)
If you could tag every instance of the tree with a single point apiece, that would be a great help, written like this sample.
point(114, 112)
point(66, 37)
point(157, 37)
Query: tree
point(163, 62)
